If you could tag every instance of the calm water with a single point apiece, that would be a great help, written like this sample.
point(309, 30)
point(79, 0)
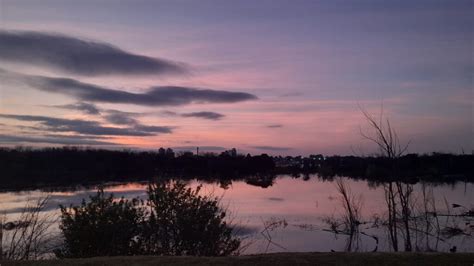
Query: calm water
point(300, 205)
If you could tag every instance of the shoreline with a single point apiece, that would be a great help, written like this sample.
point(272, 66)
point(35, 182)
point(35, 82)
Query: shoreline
point(274, 259)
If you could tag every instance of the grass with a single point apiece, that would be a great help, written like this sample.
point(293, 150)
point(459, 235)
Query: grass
point(364, 259)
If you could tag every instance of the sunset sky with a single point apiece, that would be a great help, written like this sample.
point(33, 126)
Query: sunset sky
point(277, 77)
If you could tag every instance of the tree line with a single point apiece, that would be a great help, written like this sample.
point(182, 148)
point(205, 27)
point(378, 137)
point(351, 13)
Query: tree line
point(31, 168)
point(410, 168)
point(26, 168)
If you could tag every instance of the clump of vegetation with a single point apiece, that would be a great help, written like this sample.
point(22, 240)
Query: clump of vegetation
point(30, 168)
point(348, 223)
point(174, 220)
point(182, 222)
point(101, 227)
point(24, 167)
point(268, 227)
point(412, 219)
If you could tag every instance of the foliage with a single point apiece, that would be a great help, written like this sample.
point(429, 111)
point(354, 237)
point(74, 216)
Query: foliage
point(182, 222)
point(27, 168)
point(31, 168)
point(175, 220)
point(101, 227)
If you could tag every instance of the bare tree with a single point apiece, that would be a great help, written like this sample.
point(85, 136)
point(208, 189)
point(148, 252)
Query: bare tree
point(269, 226)
point(350, 220)
point(384, 135)
point(397, 194)
point(29, 237)
point(352, 207)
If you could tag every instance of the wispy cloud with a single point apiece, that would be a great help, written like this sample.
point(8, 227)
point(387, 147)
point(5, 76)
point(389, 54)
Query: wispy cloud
point(121, 118)
point(52, 124)
point(112, 116)
point(73, 55)
point(275, 126)
point(271, 148)
point(76, 136)
point(128, 118)
point(275, 199)
point(154, 96)
point(153, 129)
point(62, 140)
point(204, 115)
point(86, 108)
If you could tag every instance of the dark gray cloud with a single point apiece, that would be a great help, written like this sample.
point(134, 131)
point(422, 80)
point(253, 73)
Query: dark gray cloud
point(121, 118)
point(52, 124)
point(275, 126)
point(271, 148)
point(112, 116)
point(72, 55)
point(86, 108)
point(169, 113)
point(75, 136)
point(128, 118)
point(153, 129)
point(155, 96)
point(61, 140)
point(204, 115)
point(275, 199)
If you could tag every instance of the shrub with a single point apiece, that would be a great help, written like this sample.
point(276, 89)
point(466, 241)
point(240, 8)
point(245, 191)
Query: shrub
point(175, 220)
point(182, 222)
point(101, 227)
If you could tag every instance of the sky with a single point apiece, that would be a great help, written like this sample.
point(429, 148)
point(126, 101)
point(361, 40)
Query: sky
point(277, 77)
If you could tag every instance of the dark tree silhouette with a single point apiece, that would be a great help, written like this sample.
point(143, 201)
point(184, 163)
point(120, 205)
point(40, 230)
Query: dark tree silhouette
point(24, 168)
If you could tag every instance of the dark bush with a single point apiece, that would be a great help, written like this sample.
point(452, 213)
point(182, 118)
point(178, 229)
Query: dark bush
point(182, 222)
point(175, 220)
point(101, 227)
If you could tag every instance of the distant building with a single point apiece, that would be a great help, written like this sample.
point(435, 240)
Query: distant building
point(169, 153)
point(232, 153)
point(162, 152)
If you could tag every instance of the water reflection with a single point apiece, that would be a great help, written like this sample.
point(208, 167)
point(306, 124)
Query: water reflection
point(301, 204)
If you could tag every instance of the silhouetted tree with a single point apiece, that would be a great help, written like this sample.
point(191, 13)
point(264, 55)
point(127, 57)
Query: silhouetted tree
point(32, 168)
point(398, 194)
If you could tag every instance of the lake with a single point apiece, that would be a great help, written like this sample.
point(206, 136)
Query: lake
point(294, 211)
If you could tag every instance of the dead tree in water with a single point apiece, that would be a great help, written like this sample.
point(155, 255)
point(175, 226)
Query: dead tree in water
point(352, 208)
point(397, 194)
point(28, 238)
point(392, 214)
